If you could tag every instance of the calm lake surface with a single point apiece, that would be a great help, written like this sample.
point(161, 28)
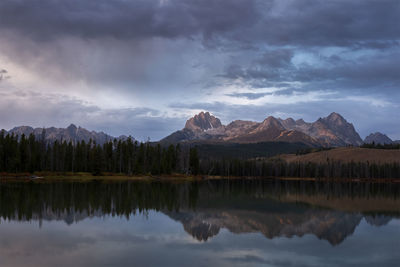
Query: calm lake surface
point(209, 223)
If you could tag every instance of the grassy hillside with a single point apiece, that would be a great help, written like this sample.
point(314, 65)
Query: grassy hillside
point(347, 154)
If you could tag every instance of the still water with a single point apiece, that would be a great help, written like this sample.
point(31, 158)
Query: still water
point(209, 223)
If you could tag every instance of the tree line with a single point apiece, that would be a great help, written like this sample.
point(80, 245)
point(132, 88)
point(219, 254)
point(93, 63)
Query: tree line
point(381, 146)
point(31, 154)
point(281, 168)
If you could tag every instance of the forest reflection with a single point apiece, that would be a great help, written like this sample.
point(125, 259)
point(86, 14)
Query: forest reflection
point(275, 208)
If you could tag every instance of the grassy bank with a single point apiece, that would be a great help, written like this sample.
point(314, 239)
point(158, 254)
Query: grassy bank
point(88, 177)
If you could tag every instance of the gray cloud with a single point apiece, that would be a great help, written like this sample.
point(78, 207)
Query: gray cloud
point(371, 72)
point(304, 22)
point(171, 54)
point(337, 23)
point(278, 58)
point(47, 19)
point(4, 74)
point(44, 110)
point(249, 95)
point(94, 41)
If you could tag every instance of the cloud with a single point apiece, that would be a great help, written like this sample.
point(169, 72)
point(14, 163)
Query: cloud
point(250, 96)
point(286, 22)
point(38, 110)
point(47, 19)
point(247, 259)
point(363, 72)
point(132, 44)
point(4, 75)
point(338, 23)
point(140, 67)
point(278, 58)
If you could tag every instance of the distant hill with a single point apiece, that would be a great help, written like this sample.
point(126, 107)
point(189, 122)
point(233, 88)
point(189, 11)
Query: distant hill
point(378, 138)
point(71, 133)
point(333, 130)
point(347, 154)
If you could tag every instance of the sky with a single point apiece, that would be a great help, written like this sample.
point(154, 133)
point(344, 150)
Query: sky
point(143, 67)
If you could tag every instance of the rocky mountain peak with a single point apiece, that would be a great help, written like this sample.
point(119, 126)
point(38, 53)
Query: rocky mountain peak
point(335, 118)
point(300, 122)
point(378, 138)
point(271, 122)
point(290, 120)
point(71, 133)
point(202, 122)
point(333, 130)
point(22, 130)
point(72, 127)
point(288, 123)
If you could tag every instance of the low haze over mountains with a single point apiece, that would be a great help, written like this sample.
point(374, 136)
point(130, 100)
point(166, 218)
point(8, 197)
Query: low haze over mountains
point(330, 131)
point(71, 133)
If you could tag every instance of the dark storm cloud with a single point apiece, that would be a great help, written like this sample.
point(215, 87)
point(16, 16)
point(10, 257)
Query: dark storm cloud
point(44, 19)
point(241, 27)
point(334, 23)
point(269, 66)
point(278, 58)
point(369, 72)
point(249, 95)
point(315, 23)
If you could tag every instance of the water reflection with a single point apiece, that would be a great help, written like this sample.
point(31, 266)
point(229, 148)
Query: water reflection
point(330, 211)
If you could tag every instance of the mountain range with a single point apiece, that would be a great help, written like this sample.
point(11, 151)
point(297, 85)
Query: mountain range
point(333, 130)
point(71, 133)
point(330, 131)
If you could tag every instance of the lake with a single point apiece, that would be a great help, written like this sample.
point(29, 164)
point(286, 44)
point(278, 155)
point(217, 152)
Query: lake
point(249, 222)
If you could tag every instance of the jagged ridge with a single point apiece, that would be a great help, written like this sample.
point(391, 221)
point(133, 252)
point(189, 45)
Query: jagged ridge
point(71, 133)
point(333, 130)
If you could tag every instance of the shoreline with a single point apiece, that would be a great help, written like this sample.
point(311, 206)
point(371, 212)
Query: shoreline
point(87, 177)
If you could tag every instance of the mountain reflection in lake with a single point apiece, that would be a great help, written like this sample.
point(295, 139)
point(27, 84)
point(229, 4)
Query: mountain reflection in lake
point(220, 222)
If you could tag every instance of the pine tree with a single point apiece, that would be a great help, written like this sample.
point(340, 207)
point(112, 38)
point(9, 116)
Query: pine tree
point(194, 162)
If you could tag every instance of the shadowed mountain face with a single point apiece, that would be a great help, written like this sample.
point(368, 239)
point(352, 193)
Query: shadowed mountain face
point(71, 133)
point(333, 130)
point(331, 212)
point(378, 138)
